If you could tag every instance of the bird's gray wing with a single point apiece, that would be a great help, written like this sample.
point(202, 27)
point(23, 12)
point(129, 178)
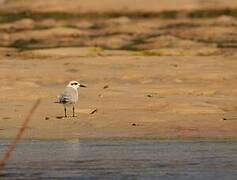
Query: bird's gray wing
point(69, 95)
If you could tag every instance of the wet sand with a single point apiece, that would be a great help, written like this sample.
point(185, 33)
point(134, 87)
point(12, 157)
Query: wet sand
point(162, 97)
point(148, 77)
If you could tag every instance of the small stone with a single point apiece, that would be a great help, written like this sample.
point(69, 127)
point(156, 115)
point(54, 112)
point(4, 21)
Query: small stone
point(224, 119)
point(149, 95)
point(5, 118)
point(174, 65)
point(134, 124)
point(47, 118)
point(93, 111)
point(59, 117)
point(106, 86)
point(72, 70)
point(66, 63)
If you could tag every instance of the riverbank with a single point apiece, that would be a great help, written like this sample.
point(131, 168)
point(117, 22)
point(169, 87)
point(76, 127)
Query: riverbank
point(168, 73)
point(134, 96)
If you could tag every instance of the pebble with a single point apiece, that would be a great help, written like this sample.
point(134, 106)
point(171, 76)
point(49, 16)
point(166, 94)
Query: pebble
point(106, 86)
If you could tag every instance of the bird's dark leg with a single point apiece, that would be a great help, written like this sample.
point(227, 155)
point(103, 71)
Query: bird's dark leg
point(73, 111)
point(65, 111)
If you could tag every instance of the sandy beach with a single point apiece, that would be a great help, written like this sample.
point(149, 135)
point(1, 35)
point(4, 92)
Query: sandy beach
point(147, 77)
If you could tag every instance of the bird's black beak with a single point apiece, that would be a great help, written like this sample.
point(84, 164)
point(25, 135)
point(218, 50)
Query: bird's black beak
point(81, 85)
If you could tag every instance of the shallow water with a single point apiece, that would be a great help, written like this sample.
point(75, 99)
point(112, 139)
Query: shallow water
point(130, 159)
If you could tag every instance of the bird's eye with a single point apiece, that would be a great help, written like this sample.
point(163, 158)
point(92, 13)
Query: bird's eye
point(74, 84)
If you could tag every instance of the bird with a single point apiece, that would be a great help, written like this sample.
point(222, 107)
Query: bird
point(69, 96)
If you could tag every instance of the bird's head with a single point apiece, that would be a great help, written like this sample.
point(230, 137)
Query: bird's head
point(75, 84)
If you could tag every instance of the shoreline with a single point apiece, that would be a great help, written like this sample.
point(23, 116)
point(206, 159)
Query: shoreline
point(193, 139)
point(149, 76)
